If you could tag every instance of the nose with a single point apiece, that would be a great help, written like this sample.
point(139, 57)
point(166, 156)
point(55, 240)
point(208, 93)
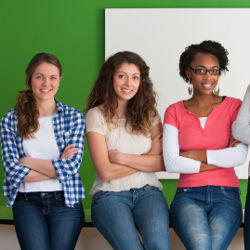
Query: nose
point(208, 75)
point(46, 81)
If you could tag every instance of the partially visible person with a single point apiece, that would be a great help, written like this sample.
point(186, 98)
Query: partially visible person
point(124, 137)
point(197, 143)
point(241, 131)
point(42, 147)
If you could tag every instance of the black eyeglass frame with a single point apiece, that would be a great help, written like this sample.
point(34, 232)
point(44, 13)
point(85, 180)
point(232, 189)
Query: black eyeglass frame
point(205, 71)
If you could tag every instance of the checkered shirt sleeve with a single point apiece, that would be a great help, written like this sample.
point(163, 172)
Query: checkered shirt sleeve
point(14, 171)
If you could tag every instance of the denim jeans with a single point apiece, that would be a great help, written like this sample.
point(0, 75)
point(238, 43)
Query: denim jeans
point(247, 219)
point(42, 221)
point(206, 217)
point(118, 216)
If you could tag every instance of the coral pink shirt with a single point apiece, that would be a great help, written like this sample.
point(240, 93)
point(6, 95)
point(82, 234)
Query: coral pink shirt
point(215, 135)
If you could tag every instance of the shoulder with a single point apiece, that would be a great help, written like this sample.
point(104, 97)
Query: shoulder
point(68, 111)
point(9, 117)
point(95, 121)
point(173, 108)
point(94, 113)
point(232, 103)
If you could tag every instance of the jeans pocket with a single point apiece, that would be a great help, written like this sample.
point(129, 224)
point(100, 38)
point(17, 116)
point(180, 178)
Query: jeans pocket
point(232, 193)
point(100, 195)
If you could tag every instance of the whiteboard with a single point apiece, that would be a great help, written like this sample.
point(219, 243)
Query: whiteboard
point(161, 35)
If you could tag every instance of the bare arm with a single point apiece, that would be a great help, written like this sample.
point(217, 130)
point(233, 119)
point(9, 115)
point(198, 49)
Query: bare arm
point(99, 154)
point(150, 162)
point(35, 176)
point(45, 167)
point(234, 155)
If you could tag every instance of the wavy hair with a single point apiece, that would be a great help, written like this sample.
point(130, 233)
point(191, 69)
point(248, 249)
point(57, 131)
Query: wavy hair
point(26, 108)
point(141, 109)
point(206, 47)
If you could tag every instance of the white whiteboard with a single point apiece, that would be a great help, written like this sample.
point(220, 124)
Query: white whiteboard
point(161, 35)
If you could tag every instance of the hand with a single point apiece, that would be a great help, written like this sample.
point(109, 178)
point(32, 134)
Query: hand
point(198, 155)
point(114, 156)
point(25, 161)
point(233, 142)
point(69, 152)
point(156, 146)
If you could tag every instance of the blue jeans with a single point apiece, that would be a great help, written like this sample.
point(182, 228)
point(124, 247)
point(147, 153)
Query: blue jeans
point(42, 221)
point(207, 217)
point(118, 216)
point(247, 219)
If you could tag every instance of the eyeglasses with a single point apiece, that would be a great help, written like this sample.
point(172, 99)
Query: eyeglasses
point(202, 71)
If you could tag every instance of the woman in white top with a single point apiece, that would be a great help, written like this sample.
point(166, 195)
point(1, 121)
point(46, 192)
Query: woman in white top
point(124, 137)
point(241, 131)
point(42, 147)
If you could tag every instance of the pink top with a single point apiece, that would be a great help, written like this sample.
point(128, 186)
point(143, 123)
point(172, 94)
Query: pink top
point(215, 135)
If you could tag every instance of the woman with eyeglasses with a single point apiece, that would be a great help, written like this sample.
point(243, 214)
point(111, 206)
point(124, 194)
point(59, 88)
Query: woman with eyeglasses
point(241, 131)
point(197, 143)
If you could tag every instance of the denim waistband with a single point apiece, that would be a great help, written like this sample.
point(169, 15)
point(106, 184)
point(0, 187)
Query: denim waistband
point(40, 194)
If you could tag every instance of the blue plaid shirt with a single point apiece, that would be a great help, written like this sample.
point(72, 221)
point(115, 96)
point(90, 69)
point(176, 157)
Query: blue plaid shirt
point(69, 128)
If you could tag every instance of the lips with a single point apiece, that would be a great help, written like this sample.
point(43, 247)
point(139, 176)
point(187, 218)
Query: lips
point(207, 85)
point(126, 91)
point(45, 90)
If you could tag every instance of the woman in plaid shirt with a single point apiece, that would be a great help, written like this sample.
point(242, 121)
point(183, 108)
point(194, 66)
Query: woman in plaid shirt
point(42, 147)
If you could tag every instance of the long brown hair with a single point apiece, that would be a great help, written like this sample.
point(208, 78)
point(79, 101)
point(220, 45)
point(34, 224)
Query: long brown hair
point(141, 109)
point(26, 108)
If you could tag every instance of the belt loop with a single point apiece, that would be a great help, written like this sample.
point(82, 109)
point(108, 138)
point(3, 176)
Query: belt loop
point(26, 196)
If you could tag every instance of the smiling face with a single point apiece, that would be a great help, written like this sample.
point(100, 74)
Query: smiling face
point(203, 84)
point(126, 81)
point(45, 82)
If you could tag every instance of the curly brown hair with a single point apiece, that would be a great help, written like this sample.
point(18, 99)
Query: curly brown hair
point(141, 109)
point(26, 108)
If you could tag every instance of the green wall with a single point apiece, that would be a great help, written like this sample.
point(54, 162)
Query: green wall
point(73, 31)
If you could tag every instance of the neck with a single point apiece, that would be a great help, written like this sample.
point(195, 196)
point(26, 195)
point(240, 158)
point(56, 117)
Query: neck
point(121, 109)
point(46, 107)
point(203, 100)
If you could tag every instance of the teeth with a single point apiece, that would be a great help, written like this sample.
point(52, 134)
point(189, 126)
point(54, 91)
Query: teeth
point(127, 90)
point(208, 85)
point(45, 90)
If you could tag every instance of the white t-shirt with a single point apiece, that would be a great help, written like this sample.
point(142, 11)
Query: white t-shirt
point(42, 146)
point(118, 138)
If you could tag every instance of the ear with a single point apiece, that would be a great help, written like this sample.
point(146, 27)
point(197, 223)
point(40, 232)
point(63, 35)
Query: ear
point(188, 72)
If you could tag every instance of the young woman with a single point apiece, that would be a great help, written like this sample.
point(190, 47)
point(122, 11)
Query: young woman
point(197, 143)
point(241, 131)
point(42, 148)
point(124, 137)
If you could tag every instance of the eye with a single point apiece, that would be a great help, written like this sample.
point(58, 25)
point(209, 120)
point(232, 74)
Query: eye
point(200, 71)
point(215, 71)
point(121, 76)
point(136, 77)
point(39, 77)
point(53, 78)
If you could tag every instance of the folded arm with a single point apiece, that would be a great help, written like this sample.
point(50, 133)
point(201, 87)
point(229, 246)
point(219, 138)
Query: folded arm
point(100, 157)
point(241, 127)
point(150, 162)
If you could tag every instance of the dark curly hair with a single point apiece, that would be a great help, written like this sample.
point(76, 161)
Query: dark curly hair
point(206, 47)
point(141, 109)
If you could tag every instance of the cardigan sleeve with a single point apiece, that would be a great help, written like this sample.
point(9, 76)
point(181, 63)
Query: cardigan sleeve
point(241, 127)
